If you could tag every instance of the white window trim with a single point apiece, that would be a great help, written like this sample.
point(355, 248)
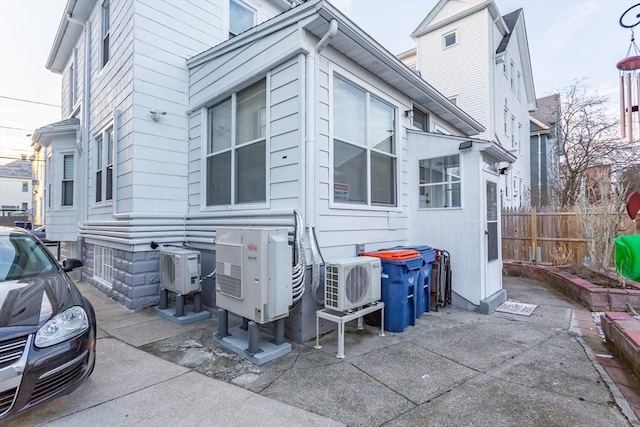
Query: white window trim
point(444, 37)
point(103, 64)
point(104, 165)
point(350, 78)
point(205, 143)
point(98, 276)
point(226, 13)
point(462, 190)
point(60, 169)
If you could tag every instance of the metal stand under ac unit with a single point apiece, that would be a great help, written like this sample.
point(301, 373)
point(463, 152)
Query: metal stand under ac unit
point(254, 281)
point(249, 342)
point(180, 274)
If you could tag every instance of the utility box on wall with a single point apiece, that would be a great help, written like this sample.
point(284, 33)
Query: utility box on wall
point(254, 272)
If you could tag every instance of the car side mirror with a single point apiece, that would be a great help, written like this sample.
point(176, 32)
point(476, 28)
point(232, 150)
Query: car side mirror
point(71, 264)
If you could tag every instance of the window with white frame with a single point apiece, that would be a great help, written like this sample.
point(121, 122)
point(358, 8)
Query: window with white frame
point(420, 119)
point(241, 18)
point(236, 148)
point(25, 187)
point(364, 147)
point(103, 264)
point(519, 137)
point(519, 84)
point(449, 39)
point(105, 50)
point(104, 166)
point(440, 182)
point(25, 206)
point(505, 118)
point(513, 131)
point(68, 172)
point(512, 75)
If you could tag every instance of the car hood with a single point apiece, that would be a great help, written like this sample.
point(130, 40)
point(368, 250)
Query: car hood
point(34, 300)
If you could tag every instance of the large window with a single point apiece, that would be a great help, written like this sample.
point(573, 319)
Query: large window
point(241, 18)
point(440, 182)
point(364, 147)
point(103, 264)
point(104, 166)
point(236, 148)
point(68, 172)
point(106, 29)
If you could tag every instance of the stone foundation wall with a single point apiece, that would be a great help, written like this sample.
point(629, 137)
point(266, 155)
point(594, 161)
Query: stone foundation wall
point(136, 277)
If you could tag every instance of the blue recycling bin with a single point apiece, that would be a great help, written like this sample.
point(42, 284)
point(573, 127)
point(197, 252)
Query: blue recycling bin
point(399, 279)
point(423, 293)
point(23, 224)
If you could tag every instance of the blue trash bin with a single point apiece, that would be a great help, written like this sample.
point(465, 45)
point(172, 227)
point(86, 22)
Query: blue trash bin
point(399, 282)
point(423, 294)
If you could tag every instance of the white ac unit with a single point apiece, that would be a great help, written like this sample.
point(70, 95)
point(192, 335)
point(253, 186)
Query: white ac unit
point(351, 282)
point(254, 272)
point(180, 270)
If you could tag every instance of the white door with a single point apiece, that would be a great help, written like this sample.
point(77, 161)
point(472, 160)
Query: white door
point(493, 268)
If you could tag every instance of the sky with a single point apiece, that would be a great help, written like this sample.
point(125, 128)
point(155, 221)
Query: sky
point(568, 40)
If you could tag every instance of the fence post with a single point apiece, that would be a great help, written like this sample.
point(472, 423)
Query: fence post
point(534, 236)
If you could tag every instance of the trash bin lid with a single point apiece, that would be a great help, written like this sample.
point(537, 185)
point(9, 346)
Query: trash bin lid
point(394, 254)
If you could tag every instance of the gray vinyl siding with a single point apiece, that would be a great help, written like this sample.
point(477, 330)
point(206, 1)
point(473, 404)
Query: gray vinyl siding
point(285, 139)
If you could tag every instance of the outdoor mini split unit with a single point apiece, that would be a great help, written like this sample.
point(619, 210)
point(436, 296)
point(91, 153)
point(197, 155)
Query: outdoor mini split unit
point(351, 282)
point(180, 270)
point(254, 272)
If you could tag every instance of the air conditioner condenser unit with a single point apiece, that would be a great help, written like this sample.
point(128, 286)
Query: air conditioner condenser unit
point(351, 282)
point(180, 270)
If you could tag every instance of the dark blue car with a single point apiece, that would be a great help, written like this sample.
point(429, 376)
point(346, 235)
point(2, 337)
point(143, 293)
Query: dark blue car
point(47, 328)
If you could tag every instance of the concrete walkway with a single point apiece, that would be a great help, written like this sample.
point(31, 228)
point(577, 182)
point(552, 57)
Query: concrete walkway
point(453, 368)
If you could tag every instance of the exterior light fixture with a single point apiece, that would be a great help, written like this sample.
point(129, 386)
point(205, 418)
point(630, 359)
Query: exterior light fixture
point(464, 145)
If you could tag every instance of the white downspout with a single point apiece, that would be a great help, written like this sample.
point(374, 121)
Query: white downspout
point(310, 153)
point(114, 165)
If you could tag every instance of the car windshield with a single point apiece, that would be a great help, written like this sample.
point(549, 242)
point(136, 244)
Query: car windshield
point(21, 256)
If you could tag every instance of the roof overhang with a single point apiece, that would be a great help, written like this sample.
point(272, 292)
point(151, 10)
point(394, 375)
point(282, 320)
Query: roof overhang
point(426, 26)
point(497, 152)
point(69, 31)
point(42, 137)
point(354, 43)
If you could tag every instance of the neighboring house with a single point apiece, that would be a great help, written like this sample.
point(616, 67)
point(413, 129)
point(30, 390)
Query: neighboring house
point(15, 190)
point(301, 112)
point(479, 59)
point(545, 150)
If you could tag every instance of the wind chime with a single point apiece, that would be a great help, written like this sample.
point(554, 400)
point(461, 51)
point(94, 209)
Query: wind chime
point(629, 76)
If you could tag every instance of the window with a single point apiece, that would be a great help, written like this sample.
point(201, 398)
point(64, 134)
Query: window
point(449, 39)
point(25, 187)
point(513, 131)
point(241, 18)
point(519, 137)
point(68, 171)
point(105, 33)
point(519, 83)
point(512, 76)
point(504, 68)
point(364, 147)
point(236, 156)
point(506, 118)
point(25, 206)
point(440, 182)
point(103, 264)
point(420, 119)
point(104, 166)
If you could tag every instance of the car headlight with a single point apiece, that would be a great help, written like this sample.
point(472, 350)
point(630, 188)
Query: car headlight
point(62, 326)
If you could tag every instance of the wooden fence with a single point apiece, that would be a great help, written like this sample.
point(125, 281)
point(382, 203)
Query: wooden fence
point(554, 232)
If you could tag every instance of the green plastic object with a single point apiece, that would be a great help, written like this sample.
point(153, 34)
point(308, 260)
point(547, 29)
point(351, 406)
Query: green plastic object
point(628, 256)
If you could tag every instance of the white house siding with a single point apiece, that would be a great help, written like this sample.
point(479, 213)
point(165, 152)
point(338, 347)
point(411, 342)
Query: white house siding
point(518, 107)
point(340, 227)
point(217, 79)
point(460, 70)
point(454, 7)
point(458, 231)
